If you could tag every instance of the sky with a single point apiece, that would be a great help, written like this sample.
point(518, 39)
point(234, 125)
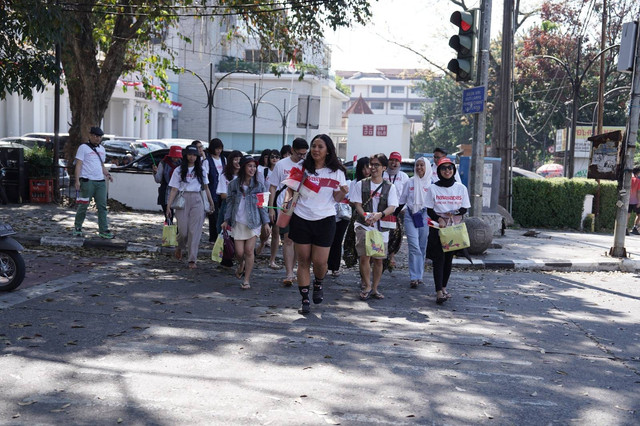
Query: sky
point(420, 24)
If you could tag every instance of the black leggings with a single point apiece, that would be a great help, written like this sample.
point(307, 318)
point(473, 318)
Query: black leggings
point(335, 254)
point(442, 261)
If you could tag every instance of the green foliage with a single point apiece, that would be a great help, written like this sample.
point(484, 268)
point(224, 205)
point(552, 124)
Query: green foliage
point(342, 87)
point(444, 125)
point(40, 160)
point(558, 202)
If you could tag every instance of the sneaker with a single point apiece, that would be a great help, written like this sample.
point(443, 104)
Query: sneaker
point(77, 232)
point(635, 231)
point(107, 235)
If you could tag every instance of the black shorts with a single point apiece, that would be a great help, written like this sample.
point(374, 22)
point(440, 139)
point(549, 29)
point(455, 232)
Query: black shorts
point(633, 208)
point(316, 232)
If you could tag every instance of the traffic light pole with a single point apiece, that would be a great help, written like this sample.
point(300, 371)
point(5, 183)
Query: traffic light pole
point(482, 79)
point(630, 138)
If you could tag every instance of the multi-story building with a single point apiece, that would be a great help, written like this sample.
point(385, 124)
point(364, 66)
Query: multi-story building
point(388, 91)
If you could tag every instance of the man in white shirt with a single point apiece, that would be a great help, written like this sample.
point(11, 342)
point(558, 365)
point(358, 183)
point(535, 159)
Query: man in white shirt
point(90, 174)
point(299, 148)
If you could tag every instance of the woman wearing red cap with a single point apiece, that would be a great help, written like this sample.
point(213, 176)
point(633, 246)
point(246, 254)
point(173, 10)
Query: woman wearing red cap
point(163, 172)
point(447, 201)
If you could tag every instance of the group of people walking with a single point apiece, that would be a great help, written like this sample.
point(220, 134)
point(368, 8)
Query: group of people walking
point(311, 206)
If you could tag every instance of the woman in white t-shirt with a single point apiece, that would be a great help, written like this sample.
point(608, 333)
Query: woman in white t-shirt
point(230, 172)
point(414, 196)
point(313, 222)
point(243, 217)
point(447, 201)
point(190, 179)
point(374, 198)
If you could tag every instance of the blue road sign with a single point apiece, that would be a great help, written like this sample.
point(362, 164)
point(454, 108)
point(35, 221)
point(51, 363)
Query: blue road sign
point(473, 100)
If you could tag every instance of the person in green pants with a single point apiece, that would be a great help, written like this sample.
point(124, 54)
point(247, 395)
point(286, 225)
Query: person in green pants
point(90, 175)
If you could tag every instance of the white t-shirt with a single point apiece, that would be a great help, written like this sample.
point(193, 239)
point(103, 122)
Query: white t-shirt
point(398, 180)
point(219, 165)
point(322, 204)
point(91, 164)
point(260, 176)
point(408, 195)
point(279, 173)
point(356, 197)
point(447, 200)
point(191, 185)
point(223, 184)
point(205, 165)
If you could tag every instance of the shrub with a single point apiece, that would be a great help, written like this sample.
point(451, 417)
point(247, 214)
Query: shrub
point(40, 160)
point(558, 202)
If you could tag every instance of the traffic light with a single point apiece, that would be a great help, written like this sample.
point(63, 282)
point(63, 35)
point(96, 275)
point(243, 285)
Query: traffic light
point(465, 43)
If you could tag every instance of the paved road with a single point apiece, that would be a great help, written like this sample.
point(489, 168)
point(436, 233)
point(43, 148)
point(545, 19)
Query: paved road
point(148, 342)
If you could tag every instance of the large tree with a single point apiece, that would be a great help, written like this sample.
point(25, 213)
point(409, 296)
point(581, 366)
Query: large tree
point(102, 40)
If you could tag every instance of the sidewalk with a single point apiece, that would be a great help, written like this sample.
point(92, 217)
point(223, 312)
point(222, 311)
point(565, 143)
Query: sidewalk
point(51, 225)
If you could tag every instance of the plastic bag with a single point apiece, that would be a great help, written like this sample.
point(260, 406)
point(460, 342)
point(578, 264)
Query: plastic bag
point(169, 235)
point(454, 237)
point(218, 249)
point(374, 244)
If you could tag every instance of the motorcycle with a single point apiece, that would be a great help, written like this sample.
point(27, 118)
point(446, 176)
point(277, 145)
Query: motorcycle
point(12, 268)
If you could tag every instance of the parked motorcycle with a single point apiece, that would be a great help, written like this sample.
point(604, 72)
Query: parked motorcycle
point(12, 269)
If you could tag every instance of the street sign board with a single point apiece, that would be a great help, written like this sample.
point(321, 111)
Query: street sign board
point(473, 100)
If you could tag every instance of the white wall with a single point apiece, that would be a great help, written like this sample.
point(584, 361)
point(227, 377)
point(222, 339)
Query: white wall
point(397, 139)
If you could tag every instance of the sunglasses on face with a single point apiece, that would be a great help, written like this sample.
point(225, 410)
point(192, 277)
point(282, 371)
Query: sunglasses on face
point(446, 168)
point(275, 156)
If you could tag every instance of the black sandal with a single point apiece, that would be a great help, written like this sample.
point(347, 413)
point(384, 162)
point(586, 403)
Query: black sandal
point(318, 294)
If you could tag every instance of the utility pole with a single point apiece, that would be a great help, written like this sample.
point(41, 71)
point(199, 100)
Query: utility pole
point(477, 151)
point(503, 146)
point(601, 87)
point(629, 148)
point(577, 82)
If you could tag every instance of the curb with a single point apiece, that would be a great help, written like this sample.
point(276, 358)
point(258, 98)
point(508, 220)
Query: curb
point(608, 264)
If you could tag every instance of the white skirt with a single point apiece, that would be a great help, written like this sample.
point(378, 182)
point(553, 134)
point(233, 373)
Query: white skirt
point(242, 232)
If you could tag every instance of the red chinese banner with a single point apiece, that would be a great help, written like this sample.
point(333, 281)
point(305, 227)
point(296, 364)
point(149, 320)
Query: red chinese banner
point(367, 130)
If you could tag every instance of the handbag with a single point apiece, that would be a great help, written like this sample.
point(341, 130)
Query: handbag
point(169, 234)
point(229, 249)
point(205, 201)
point(374, 244)
point(178, 202)
point(217, 252)
point(454, 237)
point(418, 220)
point(343, 211)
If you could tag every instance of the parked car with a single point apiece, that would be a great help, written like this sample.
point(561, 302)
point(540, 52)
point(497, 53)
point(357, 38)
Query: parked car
point(118, 150)
point(518, 172)
point(146, 162)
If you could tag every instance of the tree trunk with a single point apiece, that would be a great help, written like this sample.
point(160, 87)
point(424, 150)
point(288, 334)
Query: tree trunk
point(91, 83)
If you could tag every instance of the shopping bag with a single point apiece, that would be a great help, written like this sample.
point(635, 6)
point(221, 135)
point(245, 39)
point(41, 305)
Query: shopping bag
point(169, 235)
point(374, 244)
point(218, 249)
point(454, 237)
point(229, 250)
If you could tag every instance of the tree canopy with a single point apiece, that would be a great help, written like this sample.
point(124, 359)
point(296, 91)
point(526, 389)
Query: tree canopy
point(101, 40)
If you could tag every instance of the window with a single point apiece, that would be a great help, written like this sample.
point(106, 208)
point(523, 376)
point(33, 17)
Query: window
point(252, 55)
point(396, 106)
point(415, 106)
point(377, 105)
point(377, 89)
point(397, 89)
point(414, 90)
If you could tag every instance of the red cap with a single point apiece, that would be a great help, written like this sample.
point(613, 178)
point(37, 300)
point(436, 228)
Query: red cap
point(175, 151)
point(444, 160)
point(395, 156)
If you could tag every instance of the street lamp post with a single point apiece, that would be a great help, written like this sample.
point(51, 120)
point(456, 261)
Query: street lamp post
point(211, 91)
point(255, 102)
point(284, 115)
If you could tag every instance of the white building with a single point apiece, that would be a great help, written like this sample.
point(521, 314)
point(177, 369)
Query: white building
point(388, 91)
point(237, 96)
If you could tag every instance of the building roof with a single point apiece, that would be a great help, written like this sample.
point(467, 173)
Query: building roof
point(358, 107)
point(385, 73)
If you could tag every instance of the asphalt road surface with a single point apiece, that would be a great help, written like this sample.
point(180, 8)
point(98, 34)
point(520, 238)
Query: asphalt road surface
point(145, 341)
